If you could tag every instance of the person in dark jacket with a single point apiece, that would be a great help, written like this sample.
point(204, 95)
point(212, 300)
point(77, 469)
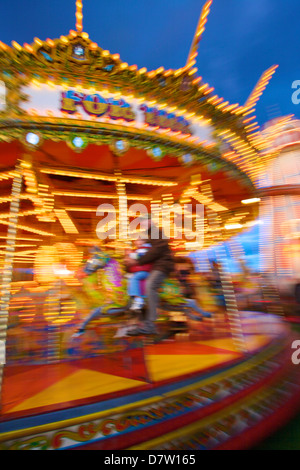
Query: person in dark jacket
point(161, 258)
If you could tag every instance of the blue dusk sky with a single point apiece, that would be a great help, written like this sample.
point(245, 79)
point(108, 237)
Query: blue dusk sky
point(243, 38)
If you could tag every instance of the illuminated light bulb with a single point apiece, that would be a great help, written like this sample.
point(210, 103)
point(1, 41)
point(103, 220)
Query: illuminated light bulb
point(93, 46)
point(105, 53)
point(64, 39)
point(249, 119)
point(157, 151)
point(189, 65)
point(38, 41)
point(209, 90)
point(203, 87)
point(196, 80)
point(3, 46)
point(25, 164)
point(50, 42)
point(84, 35)
point(142, 70)
point(193, 56)
point(16, 45)
point(78, 142)
point(27, 47)
point(177, 72)
point(50, 84)
point(32, 138)
point(193, 71)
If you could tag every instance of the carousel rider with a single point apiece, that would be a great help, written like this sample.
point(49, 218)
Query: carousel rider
point(161, 258)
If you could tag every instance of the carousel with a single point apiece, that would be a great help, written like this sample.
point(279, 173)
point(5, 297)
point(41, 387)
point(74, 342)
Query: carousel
point(88, 143)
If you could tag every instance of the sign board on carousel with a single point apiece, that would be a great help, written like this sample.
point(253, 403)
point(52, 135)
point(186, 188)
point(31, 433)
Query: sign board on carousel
point(102, 106)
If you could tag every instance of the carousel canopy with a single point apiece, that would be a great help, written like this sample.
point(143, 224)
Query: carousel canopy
point(90, 129)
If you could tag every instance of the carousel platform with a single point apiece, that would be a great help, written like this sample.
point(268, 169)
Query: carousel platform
point(182, 393)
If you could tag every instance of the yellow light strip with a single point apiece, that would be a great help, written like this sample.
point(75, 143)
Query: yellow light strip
point(93, 209)
point(29, 229)
point(25, 245)
point(5, 199)
point(7, 175)
point(2, 237)
point(22, 253)
point(66, 222)
point(79, 15)
point(251, 201)
point(6, 215)
point(260, 87)
point(90, 209)
point(99, 176)
point(205, 200)
point(198, 35)
point(100, 195)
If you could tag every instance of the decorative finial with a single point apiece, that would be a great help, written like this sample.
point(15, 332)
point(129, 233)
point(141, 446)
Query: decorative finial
point(260, 87)
point(79, 15)
point(198, 34)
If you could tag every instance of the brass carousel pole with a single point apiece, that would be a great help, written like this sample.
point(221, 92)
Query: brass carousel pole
point(117, 150)
point(7, 272)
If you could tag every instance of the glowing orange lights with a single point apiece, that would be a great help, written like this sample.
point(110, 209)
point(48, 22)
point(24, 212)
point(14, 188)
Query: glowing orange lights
point(28, 48)
point(142, 70)
point(260, 86)
point(38, 41)
point(103, 177)
point(197, 80)
point(50, 42)
point(3, 46)
point(193, 71)
point(93, 46)
point(65, 220)
point(79, 15)
point(199, 33)
point(64, 39)
point(209, 90)
point(16, 45)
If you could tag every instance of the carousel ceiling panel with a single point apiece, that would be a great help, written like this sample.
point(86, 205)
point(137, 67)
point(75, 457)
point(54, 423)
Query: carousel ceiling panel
point(97, 157)
point(9, 153)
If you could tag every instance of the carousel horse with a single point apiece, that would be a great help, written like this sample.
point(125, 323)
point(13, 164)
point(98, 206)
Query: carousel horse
point(112, 282)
